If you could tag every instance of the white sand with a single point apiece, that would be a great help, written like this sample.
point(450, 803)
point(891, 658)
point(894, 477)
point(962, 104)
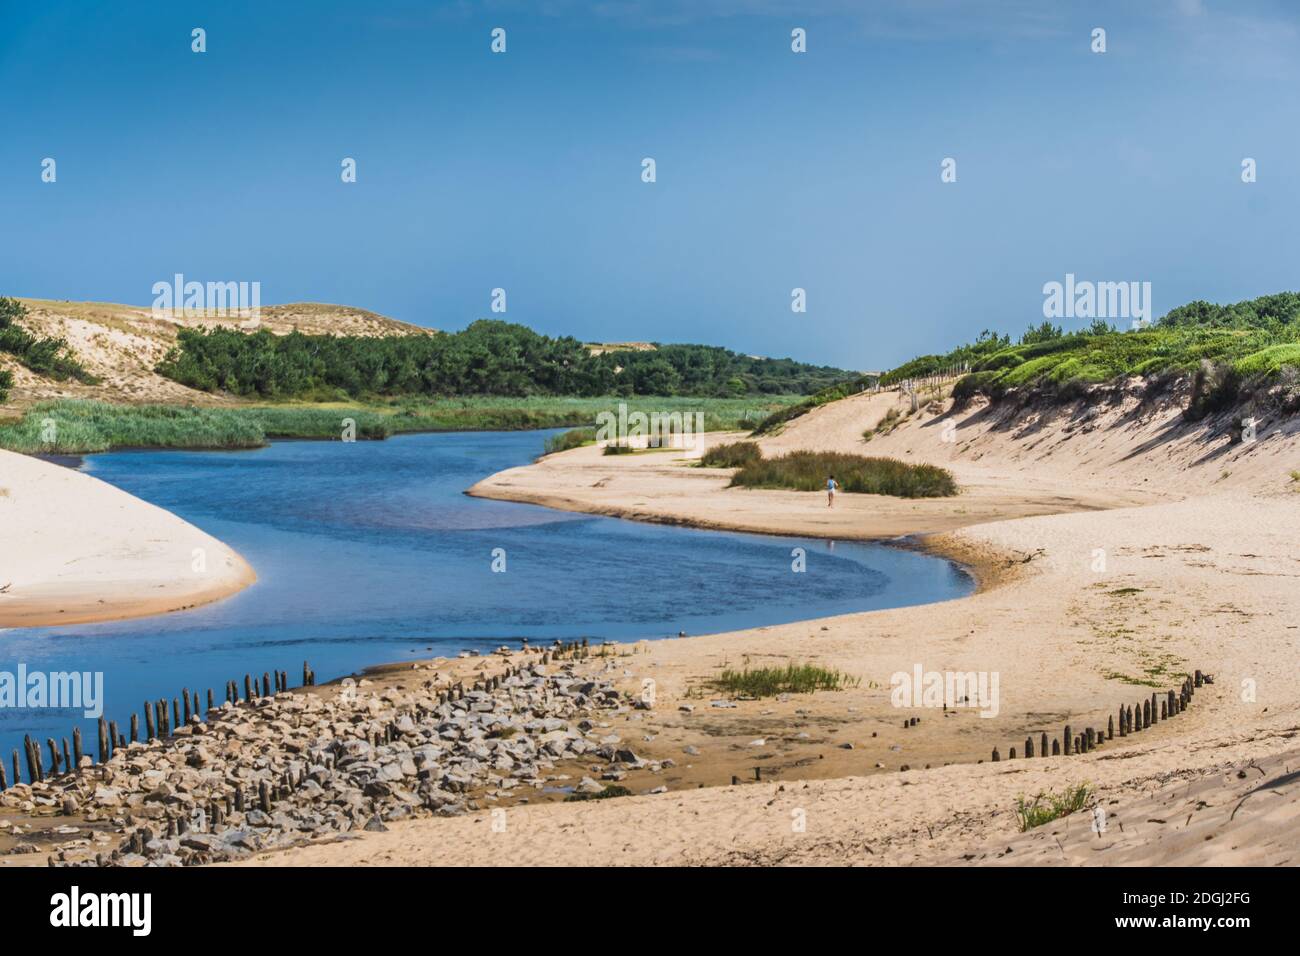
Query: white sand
point(75, 549)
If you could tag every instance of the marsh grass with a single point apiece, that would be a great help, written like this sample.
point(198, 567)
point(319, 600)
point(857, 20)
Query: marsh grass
point(1047, 807)
point(807, 471)
point(573, 438)
point(791, 679)
point(83, 427)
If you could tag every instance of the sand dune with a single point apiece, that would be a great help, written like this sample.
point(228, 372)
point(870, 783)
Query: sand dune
point(75, 549)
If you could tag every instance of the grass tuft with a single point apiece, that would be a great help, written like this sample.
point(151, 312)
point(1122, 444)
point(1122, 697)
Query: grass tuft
point(791, 679)
point(1047, 807)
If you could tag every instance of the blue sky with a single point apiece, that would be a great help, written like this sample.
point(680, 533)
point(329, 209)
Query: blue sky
point(775, 170)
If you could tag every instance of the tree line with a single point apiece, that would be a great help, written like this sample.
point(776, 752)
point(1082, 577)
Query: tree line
point(490, 357)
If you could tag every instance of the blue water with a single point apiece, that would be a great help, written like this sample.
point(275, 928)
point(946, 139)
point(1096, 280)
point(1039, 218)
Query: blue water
point(369, 552)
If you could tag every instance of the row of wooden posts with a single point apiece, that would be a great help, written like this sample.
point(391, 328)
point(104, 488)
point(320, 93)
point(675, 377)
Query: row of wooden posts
point(158, 724)
point(159, 721)
point(1133, 719)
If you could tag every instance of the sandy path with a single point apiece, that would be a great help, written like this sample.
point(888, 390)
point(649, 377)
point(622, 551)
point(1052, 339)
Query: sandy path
point(76, 549)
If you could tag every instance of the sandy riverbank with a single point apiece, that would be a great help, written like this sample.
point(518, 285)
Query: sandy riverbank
point(1121, 550)
point(75, 549)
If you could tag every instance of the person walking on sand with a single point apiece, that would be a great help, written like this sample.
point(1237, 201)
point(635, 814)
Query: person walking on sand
point(830, 491)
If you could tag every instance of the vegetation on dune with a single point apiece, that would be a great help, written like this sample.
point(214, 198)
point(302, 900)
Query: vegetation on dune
point(1234, 348)
point(731, 455)
point(791, 679)
point(490, 357)
point(1047, 807)
point(807, 471)
point(89, 426)
point(45, 356)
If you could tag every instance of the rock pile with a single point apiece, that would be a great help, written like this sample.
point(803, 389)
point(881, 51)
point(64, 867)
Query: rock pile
point(293, 767)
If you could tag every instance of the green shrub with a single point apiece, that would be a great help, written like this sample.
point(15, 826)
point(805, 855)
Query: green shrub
point(618, 450)
point(732, 455)
point(6, 383)
point(807, 471)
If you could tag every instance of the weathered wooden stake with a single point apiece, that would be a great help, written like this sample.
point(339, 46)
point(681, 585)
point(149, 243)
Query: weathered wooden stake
point(1066, 737)
point(103, 740)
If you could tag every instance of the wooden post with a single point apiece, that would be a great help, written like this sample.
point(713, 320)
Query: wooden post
point(4, 781)
point(103, 740)
point(135, 727)
point(1029, 747)
point(1110, 728)
point(112, 737)
point(148, 722)
point(1065, 740)
point(996, 755)
point(185, 696)
point(76, 747)
point(54, 755)
point(67, 757)
point(248, 687)
point(1043, 741)
point(266, 684)
point(31, 758)
point(264, 796)
point(176, 713)
point(18, 777)
point(1011, 754)
point(1146, 714)
point(1154, 718)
